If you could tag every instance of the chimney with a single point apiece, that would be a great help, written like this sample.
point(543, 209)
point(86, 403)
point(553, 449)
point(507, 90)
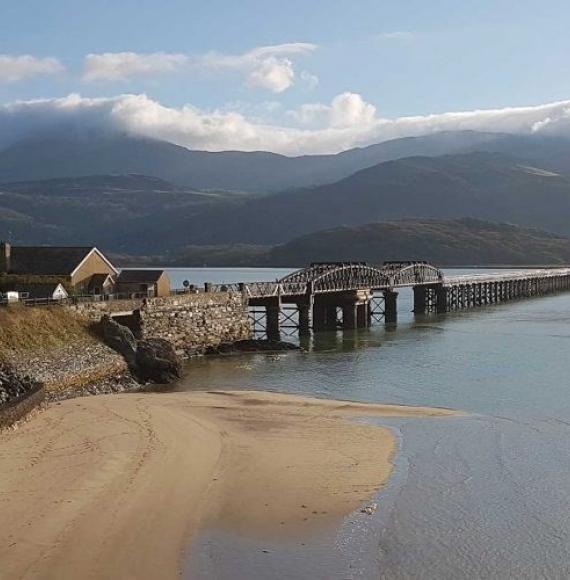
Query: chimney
point(5, 257)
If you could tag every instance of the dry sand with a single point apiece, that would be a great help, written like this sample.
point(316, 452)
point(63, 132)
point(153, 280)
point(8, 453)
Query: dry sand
point(115, 486)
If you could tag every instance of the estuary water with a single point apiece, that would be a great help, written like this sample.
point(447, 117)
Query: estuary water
point(485, 495)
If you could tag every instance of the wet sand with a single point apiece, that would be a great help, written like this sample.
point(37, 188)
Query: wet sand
point(116, 486)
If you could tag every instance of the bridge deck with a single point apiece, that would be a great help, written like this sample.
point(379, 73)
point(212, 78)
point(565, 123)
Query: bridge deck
point(323, 278)
point(505, 277)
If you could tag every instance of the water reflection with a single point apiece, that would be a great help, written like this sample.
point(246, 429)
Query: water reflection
point(481, 496)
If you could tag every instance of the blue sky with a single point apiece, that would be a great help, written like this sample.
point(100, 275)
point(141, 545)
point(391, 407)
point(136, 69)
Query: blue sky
point(400, 58)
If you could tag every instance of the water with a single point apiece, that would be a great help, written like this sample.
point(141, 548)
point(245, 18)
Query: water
point(480, 496)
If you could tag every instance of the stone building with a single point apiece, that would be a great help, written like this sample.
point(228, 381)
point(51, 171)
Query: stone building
point(73, 267)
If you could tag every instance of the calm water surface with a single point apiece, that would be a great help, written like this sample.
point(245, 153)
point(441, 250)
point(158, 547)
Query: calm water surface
point(480, 496)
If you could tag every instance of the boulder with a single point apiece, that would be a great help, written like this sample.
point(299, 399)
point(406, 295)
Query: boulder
point(14, 386)
point(251, 345)
point(157, 361)
point(119, 338)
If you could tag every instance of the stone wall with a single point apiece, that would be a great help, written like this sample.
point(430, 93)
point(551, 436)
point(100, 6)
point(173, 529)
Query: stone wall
point(192, 322)
point(93, 311)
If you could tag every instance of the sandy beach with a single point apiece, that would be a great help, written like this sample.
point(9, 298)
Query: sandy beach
point(116, 486)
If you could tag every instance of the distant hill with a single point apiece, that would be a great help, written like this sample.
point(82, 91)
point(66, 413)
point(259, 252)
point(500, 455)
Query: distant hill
point(137, 214)
point(460, 242)
point(444, 242)
point(481, 185)
point(119, 212)
point(63, 155)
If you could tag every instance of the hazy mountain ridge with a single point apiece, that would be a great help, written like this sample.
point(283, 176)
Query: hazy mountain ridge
point(461, 242)
point(481, 185)
point(55, 156)
point(142, 214)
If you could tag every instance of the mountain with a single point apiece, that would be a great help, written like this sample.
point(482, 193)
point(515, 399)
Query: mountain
point(69, 155)
point(122, 212)
point(136, 214)
point(461, 242)
point(481, 185)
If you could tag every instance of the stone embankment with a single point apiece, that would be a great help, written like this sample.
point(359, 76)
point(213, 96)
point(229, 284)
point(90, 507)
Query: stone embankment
point(69, 351)
point(190, 322)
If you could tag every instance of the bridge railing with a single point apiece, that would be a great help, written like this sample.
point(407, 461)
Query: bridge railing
point(503, 277)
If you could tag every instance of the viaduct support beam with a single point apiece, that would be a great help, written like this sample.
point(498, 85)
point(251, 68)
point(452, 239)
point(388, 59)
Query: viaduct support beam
point(362, 315)
point(441, 298)
point(272, 313)
point(420, 299)
point(319, 317)
point(390, 307)
point(304, 319)
point(349, 316)
point(331, 319)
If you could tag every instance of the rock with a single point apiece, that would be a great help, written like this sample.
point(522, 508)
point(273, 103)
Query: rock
point(157, 361)
point(251, 346)
point(369, 509)
point(14, 386)
point(119, 338)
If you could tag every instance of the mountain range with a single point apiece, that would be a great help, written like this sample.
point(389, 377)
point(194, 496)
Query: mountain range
point(55, 155)
point(144, 197)
point(458, 242)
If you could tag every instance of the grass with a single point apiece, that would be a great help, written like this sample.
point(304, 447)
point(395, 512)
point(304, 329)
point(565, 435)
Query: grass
point(24, 328)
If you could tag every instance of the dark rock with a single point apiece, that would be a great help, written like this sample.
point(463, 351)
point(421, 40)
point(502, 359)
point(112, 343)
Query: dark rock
point(119, 338)
point(251, 346)
point(14, 386)
point(157, 361)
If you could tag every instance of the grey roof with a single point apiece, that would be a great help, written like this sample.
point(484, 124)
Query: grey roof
point(97, 281)
point(46, 261)
point(139, 276)
point(37, 290)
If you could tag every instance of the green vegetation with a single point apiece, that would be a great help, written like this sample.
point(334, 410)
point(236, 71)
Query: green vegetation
point(461, 242)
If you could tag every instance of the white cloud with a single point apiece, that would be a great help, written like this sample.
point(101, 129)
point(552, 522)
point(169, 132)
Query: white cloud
point(310, 80)
point(19, 67)
point(346, 110)
point(272, 73)
point(348, 121)
point(267, 67)
point(121, 66)
point(396, 35)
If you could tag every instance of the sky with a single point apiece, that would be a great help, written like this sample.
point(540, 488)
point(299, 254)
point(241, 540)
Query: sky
point(295, 77)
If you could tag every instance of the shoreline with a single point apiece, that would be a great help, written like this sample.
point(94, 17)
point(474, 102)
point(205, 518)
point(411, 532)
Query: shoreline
point(118, 485)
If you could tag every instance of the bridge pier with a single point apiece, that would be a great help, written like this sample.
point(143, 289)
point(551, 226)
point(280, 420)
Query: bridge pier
point(390, 307)
point(420, 299)
point(363, 315)
point(349, 316)
point(304, 319)
point(441, 298)
point(331, 316)
point(272, 311)
point(319, 316)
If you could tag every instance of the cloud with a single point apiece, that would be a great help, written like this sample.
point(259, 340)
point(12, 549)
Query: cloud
point(346, 110)
point(267, 67)
point(396, 35)
point(273, 74)
point(15, 68)
point(347, 121)
point(121, 66)
point(310, 80)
